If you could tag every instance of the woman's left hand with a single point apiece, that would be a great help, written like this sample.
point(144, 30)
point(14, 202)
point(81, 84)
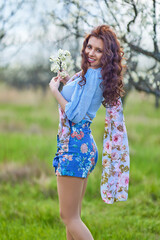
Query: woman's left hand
point(54, 83)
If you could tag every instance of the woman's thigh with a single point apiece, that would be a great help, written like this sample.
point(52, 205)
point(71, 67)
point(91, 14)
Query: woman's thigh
point(84, 187)
point(70, 190)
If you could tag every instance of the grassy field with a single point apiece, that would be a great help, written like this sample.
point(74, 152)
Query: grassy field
point(28, 192)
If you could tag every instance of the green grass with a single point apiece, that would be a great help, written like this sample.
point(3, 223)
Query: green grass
point(29, 207)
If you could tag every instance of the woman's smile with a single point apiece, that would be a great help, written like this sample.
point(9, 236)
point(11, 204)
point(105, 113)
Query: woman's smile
point(91, 60)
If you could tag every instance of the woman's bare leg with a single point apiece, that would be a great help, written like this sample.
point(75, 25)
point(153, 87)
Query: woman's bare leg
point(69, 236)
point(70, 192)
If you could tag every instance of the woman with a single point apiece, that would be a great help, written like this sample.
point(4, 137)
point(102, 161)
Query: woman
point(100, 81)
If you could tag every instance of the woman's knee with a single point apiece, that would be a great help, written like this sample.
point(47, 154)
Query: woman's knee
point(62, 216)
point(70, 191)
point(68, 219)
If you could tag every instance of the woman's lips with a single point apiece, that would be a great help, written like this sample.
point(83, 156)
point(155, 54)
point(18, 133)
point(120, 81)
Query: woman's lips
point(91, 60)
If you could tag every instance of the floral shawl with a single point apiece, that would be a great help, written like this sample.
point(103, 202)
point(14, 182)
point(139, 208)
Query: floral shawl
point(115, 158)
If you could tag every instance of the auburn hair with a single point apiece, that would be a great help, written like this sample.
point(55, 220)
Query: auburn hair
point(111, 64)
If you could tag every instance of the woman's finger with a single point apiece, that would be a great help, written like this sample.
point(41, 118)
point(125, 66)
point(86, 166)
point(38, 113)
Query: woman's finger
point(54, 79)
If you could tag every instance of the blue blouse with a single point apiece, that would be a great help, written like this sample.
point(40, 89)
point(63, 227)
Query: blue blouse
point(84, 99)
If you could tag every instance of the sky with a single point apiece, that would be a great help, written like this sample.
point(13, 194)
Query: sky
point(28, 33)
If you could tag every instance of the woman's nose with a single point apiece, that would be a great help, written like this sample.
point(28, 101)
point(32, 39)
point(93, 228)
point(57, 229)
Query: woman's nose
point(92, 53)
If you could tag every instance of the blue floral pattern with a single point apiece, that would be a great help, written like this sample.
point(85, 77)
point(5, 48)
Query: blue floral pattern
point(80, 157)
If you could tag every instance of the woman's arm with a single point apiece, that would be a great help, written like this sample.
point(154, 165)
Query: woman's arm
point(60, 99)
point(54, 85)
point(82, 96)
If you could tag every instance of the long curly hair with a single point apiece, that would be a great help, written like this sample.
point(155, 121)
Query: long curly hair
point(111, 62)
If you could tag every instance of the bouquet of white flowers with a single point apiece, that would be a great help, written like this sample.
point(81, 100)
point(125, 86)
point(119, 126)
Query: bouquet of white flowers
point(59, 64)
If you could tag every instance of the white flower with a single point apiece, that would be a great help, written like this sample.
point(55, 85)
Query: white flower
point(126, 79)
point(154, 85)
point(63, 74)
point(60, 52)
point(156, 70)
point(54, 67)
point(135, 58)
point(151, 81)
point(64, 65)
point(62, 58)
point(151, 77)
point(67, 53)
point(134, 76)
point(142, 74)
point(52, 59)
point(60, 63)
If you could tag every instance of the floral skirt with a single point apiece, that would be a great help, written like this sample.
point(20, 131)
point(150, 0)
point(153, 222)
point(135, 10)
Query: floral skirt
point(82, 154)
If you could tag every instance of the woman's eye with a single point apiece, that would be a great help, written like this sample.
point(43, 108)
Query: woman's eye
point(99, 50)
point(89, 46)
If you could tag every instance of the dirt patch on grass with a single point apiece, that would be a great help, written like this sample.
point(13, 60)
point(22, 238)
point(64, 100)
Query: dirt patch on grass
point(36, 172)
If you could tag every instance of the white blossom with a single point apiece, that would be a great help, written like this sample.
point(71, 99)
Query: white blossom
point(54, 67)
point(64, 65)
point(52, 59)
point(135, 58)
point(154, 85)
point(60, 53)
point(134, 76)
point(156, 70)
point(126, 79)
point(63, 74)
point(67, 53)
point(142, 74)
point(59, 63)
point(62, 58)
point(150, 80)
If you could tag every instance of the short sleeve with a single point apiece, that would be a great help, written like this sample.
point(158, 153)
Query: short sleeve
point(82, 96)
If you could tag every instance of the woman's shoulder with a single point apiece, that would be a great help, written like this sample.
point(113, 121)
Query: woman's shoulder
point(75, 76)
point(93, 73)
point(79, 73)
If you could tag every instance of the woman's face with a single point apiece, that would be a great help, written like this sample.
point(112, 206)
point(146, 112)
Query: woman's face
point(94, 52)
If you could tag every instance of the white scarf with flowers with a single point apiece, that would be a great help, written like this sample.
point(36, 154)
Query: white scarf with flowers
point(115, 158)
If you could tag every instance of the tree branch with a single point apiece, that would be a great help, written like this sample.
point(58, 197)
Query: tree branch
point(112, 15)
point(136, 13)
point(154, 27)
point(155, 55)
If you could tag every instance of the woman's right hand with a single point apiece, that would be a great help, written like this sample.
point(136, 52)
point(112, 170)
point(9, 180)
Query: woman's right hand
point(65, 79)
